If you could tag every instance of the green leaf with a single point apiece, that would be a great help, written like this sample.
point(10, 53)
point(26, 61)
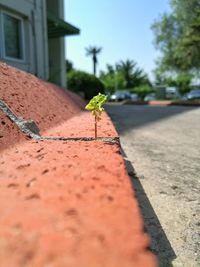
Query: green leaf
point(96, 103)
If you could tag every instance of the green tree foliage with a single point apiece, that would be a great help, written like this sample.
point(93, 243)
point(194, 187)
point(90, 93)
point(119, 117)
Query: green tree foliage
point(188, 47)
point(181, 81)
point(126, 68)
point(124, 75)
point(112, 79)
point(93, 52)
point(86, 83)
point(177, 36)
point(69, 65)
point(133, 75)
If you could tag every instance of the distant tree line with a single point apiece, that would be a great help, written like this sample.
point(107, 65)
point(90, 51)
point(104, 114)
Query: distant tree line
point(123, 75)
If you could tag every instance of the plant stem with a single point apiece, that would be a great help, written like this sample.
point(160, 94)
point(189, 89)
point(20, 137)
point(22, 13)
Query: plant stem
point(95, 127)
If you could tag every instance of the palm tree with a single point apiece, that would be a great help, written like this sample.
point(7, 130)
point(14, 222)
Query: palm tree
point(132, 74)
point(93, 51)
point(126, 68)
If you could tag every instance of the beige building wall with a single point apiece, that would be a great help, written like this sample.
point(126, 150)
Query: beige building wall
point(57, 66)
point(32, 14)
point(36, 52)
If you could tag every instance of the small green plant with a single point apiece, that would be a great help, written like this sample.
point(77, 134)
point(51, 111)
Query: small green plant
point(96, 106)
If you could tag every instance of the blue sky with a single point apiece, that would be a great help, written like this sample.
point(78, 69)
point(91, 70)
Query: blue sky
point(120, 27)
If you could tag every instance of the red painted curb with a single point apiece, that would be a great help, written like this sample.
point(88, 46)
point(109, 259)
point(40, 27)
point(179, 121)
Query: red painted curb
point(160, 103)
point(64, 204)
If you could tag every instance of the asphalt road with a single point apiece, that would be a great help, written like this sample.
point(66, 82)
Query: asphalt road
point(162, 151)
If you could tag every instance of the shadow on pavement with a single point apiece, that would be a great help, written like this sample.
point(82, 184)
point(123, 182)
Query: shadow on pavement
point(127, 117)
point(160, 244)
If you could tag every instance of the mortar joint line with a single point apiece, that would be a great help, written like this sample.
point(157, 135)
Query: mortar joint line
point(30, 129)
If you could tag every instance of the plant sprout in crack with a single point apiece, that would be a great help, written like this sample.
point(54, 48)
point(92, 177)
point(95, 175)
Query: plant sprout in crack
point(96, 106)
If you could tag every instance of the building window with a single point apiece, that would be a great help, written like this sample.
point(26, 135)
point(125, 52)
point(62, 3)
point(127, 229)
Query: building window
point(13, 45)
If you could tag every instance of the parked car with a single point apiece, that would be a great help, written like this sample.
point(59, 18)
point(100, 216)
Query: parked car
point(192, 95)
point(120, 95)
point(150, 97)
